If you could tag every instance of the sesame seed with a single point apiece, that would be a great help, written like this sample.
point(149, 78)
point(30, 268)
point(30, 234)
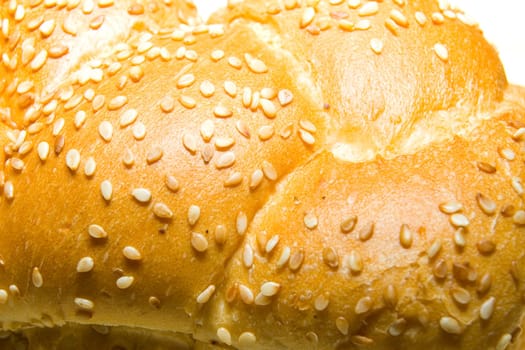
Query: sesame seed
point(437, 18)
point(207, 89)
point(194, 213)
point(90, 167)
point(346, 25)
point(125, 282)
point(58, 126)
point(487, 309)
point(154, 155)
point(399, 18)
point(187, 101)
point(172, 183)
point(434, 249)
point(80, 118)
point(128, 117)
point(185, 81)
point(363, 305)
point(85, 264)
point(223, 143)
point(217, 55)
point(255, 64)
point(59, 144)
point(296, 260)
point(310, 221)
point(131, 253)
point(220, 234)
point(233, 180)
point(459, 238)
point(348, 224)
point(128, 158)
point(459, 220)
point(39, 60)
point(405, 236)
point(517, 185)
point(206, 294)
point(285, 97)
point(268, 108)
point(504, 342)
point(461, 295)
point(36, 278)
point(321, 302)
point(366, 233)
point(142, 195)
point(235, 62)
point(486, 247)
point(284, 257)
point(508, 154)
point(397, 327)
point(13, 289)
point(519, 218)
point(224, 336)
point(241, 223)
point(355, 262)
point(3, 296)
point(262, 300)
point(256, 179)
point(256, 97)
point(330, 257)
point(368, 9)
point(486, 167)
point(105, 3)
point(96, 231)
point(270, 289)
point(376, 45)
point(306, 137)
point(17, 164)
point(243, 129)
point(139, 131)
point(105, 129)
point(162, 211)
point(390, 296)
point(117, 102)
point(421, 19)
point(269, 171)
point(221, 111)
point(9, 190)
point(441, 51)
point(307, 17)
point(247, 256)
point(106, 189)
point(73, 159)
point(353, 4)
point(190, 142)
point(450, 207)
point(487, 205)
point(246, 294)
point(265, 132)
point(342, 325)
point(84, 304)
point(440, 269)
point(450, 325)
point(225, 160)
point(199, 242)
point(268, 93)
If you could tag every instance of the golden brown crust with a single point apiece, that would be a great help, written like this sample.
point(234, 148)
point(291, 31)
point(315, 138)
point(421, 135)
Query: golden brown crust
point(268, 185)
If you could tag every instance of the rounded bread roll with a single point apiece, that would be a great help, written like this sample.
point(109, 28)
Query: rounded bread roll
point(316, 174)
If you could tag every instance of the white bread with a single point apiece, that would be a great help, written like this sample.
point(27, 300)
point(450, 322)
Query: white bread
point(324, 174)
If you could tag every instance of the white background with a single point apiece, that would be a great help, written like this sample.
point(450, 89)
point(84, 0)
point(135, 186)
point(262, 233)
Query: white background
point(503, 22)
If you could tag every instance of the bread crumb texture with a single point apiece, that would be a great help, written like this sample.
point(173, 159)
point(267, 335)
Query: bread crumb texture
point(317, 174)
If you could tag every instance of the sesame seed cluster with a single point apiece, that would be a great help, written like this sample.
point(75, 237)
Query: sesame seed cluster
point(301, 173)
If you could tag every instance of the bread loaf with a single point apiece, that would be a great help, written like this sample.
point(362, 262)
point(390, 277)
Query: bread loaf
point(292, 174)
